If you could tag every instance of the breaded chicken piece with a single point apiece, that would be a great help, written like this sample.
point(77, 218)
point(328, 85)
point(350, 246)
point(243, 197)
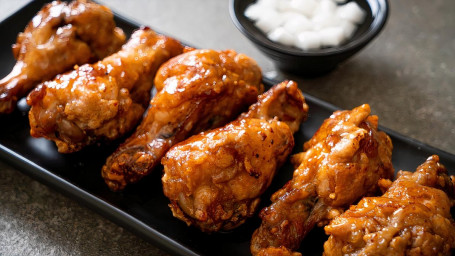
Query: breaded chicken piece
point(100, 101)
point(214, 180)
point(412, 218)
point(196, 91)
point(341, 163)
point(60, 36)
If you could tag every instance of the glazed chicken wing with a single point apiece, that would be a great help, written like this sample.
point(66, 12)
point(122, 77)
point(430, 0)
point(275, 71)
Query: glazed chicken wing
point(214, 179)
point(102, 100)
point(60, 36)
point(342, 162)
point(197, 90)
point(411, 218)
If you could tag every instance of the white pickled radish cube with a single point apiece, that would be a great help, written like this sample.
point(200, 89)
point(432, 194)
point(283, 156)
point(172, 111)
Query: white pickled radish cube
point(289, 15)
point(269, 20)
point(308, 40)
point(326, 6)
point(282, 36)
point(297, 24)
point(253, 12)
point(333, 36)
point(348, 29)
point(305, 7)
point(283, 5)
point(325, 20)
point(352, 12)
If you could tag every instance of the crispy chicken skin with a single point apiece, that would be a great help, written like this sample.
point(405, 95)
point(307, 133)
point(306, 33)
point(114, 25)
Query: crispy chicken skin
point(60, 36)
point(341, 163)
point(411, 218)
point(214, 179)
point(283, 101)
point(100, 101)
point(197, 90)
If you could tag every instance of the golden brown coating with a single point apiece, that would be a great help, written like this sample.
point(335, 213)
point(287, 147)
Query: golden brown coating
point(283, 101)
point(197, 90)
point(411, 218)
point(100, 101)
point(214, 179)
point(342, 162)
point(60, 36)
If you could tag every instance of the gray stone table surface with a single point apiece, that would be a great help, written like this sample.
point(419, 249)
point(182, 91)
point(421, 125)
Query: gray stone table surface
point(407, 75)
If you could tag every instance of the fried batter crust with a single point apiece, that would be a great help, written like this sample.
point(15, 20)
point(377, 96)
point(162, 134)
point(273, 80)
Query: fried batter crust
point(60, 36)
point(100, 101)
point(214, 179)
point(341, 163)
point(412, 218)
point(197, 90)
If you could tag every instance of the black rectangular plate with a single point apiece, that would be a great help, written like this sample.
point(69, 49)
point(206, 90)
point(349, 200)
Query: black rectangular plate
point(142, 208)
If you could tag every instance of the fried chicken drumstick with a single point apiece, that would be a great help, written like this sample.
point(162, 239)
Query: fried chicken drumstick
point(214, 179)
point(411, 218)
point(60, 36)
point(100, 101)
point(341, 163)
point(197, 90)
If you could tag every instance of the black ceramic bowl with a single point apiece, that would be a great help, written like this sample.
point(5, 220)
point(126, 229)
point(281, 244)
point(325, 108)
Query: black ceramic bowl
point(312, 62)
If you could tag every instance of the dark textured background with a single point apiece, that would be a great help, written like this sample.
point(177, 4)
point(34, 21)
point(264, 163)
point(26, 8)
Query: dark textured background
point(406, 75)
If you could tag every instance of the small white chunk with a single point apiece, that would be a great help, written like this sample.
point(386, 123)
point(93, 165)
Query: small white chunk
point(348, 29)
point(305, 7)
point(332, 36)
point(282, 36)
point(308, 40)
point(289, 15)
point(352, 12)
point(325, 20)
point(283, 6)
point(326, 6)
point(297, 24)
point(253, 11)
point(256, 10)
point(268, 21)
point(307, 24)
